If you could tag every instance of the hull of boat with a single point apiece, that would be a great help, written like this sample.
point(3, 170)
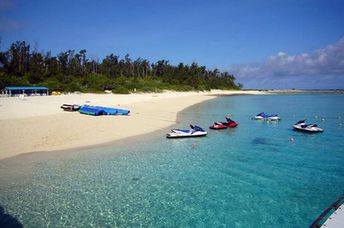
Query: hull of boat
point(233, 124)
point(180, 135)
point(310, 130)
point(218, 127)
point(274, 118)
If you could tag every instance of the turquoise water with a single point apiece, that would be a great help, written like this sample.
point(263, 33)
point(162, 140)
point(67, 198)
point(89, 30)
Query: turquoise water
point(250, 176)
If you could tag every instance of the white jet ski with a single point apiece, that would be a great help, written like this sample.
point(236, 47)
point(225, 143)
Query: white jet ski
point(264, 116)
point(302, 126)
point(195, 131)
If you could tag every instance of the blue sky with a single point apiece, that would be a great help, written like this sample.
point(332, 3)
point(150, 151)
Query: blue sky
point(239, 36)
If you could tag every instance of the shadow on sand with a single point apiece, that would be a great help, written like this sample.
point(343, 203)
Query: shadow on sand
point(7, 221)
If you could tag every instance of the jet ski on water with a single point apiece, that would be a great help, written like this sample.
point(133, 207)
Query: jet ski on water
point(218, 126)
point(230, 123)
point(223, 125)
point(195, 131)
point(264, 116)
point(302, 126)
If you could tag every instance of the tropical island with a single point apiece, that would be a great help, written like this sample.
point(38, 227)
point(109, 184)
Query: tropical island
point(74, 71)
point(94, 137)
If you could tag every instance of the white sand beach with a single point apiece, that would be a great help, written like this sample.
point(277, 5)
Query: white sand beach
point(38, 123)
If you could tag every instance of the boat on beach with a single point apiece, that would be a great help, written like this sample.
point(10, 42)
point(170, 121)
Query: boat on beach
point(195, 131)
point(264, 116)
point(302, 126)
point(70, 108)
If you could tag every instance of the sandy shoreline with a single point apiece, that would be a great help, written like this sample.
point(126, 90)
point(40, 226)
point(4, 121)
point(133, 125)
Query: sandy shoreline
point(38, 124)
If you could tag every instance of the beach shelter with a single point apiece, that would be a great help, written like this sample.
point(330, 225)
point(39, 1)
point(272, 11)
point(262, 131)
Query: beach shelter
point(28, 90)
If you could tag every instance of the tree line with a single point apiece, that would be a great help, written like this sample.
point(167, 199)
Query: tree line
point(74, 71)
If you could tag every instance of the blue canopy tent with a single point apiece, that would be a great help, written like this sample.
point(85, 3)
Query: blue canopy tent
point(28, 90)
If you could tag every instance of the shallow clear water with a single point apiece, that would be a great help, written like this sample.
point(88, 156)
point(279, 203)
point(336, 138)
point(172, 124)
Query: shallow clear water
point(250, 176)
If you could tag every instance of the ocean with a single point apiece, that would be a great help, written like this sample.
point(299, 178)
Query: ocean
point(260, 174)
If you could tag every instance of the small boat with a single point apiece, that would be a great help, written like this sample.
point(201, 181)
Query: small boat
point(302, 126)
point(195, 131)
point(70, 108)
point(264, 116)
point(230, 123)
point(218, 126)
point(333, 216)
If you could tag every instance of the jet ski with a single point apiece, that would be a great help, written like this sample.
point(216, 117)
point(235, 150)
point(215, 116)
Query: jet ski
point(230, 123)
point(70, 108)
point(195, 131)
point(302, 126)
point(264, 116)
point(218, 126)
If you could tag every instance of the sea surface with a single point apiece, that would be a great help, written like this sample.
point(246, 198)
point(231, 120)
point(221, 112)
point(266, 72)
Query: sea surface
point(260, 174)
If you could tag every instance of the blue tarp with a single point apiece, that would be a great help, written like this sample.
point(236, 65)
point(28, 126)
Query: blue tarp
point(98, 110)
point(26, 88)
point(89, 110)
point(113, 111)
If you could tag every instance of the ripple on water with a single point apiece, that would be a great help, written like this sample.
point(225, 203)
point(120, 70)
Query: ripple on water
point(250, 176)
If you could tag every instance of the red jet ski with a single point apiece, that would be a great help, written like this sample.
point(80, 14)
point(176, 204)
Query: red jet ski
point(230, 123)
point(218, 126)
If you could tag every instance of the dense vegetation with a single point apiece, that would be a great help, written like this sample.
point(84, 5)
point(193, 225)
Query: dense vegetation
point(73, 71)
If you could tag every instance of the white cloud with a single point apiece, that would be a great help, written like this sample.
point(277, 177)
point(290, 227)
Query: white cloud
point(328, 61)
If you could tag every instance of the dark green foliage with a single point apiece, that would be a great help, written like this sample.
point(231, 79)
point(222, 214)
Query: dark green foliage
point(11, 80)
point(72, 71)
point(97, 82)
point(53, 84)
point(120, 89)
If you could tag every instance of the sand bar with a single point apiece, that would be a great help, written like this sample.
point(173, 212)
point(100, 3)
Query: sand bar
point(33, 124)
